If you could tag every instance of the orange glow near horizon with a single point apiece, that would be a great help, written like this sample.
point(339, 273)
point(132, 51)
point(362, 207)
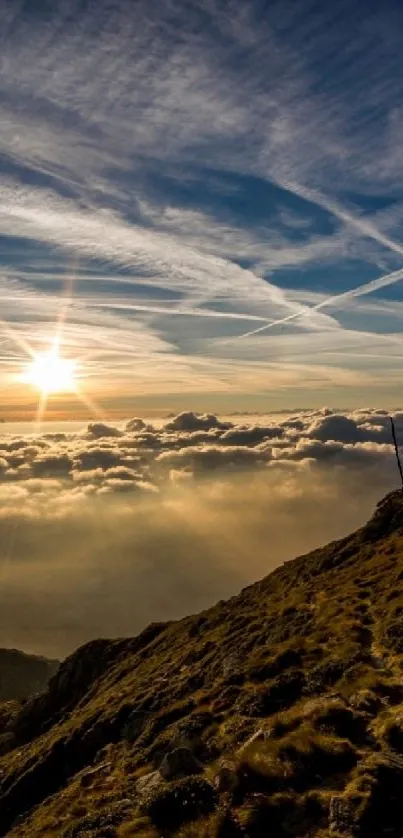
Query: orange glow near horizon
point(53, 375)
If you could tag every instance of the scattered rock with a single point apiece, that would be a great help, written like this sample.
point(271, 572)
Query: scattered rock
point(87, 778)
point(180, 762)
point(148, 784)
point(341, 815)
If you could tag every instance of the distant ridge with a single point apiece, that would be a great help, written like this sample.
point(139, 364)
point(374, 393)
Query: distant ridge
point(22, 675)
point(277, 713)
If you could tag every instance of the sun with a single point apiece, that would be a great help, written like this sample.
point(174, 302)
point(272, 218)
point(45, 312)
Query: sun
point(50, 373)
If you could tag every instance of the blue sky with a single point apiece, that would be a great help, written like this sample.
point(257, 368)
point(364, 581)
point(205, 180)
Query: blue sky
point(209, 194)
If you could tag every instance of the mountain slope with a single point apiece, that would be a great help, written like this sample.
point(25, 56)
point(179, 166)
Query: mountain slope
point(22, 675)
point(279, 712)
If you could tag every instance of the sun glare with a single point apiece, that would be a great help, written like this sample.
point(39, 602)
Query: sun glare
point(50, 373)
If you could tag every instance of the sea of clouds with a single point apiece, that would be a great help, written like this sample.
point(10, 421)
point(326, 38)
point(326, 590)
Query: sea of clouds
point(107, 528)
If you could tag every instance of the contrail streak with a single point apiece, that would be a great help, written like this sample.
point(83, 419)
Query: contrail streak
point(364, 226)
point(183, 312)
point(360, 291)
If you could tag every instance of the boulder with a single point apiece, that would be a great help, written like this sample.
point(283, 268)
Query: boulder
point(87, 779)
point(180, 762)
point(148, 784)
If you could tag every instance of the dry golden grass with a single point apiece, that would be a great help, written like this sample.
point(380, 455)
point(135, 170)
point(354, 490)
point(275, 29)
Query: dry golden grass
point(313, 654)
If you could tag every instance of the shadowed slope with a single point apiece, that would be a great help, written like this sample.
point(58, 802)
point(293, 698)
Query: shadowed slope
point(22, 675)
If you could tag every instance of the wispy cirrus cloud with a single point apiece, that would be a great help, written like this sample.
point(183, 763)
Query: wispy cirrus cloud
point(197, 167)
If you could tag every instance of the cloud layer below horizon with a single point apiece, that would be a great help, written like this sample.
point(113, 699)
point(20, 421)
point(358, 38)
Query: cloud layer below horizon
point(106, 529)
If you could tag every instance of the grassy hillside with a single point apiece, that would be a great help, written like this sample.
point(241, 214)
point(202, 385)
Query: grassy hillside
point(277, 713)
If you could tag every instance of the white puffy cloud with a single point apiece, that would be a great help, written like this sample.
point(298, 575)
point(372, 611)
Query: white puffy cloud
point(212, 457)
point(100, 536)
point(135, 425)
point(189, 421)
point(98, 430)
point(251, 435)
point(52, 464)
point(139, 454)
point(361, 426)
point(97, 457)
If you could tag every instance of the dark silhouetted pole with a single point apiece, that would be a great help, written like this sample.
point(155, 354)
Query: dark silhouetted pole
point(396, 450)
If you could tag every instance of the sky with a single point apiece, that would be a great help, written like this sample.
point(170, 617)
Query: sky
point(203, 200)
